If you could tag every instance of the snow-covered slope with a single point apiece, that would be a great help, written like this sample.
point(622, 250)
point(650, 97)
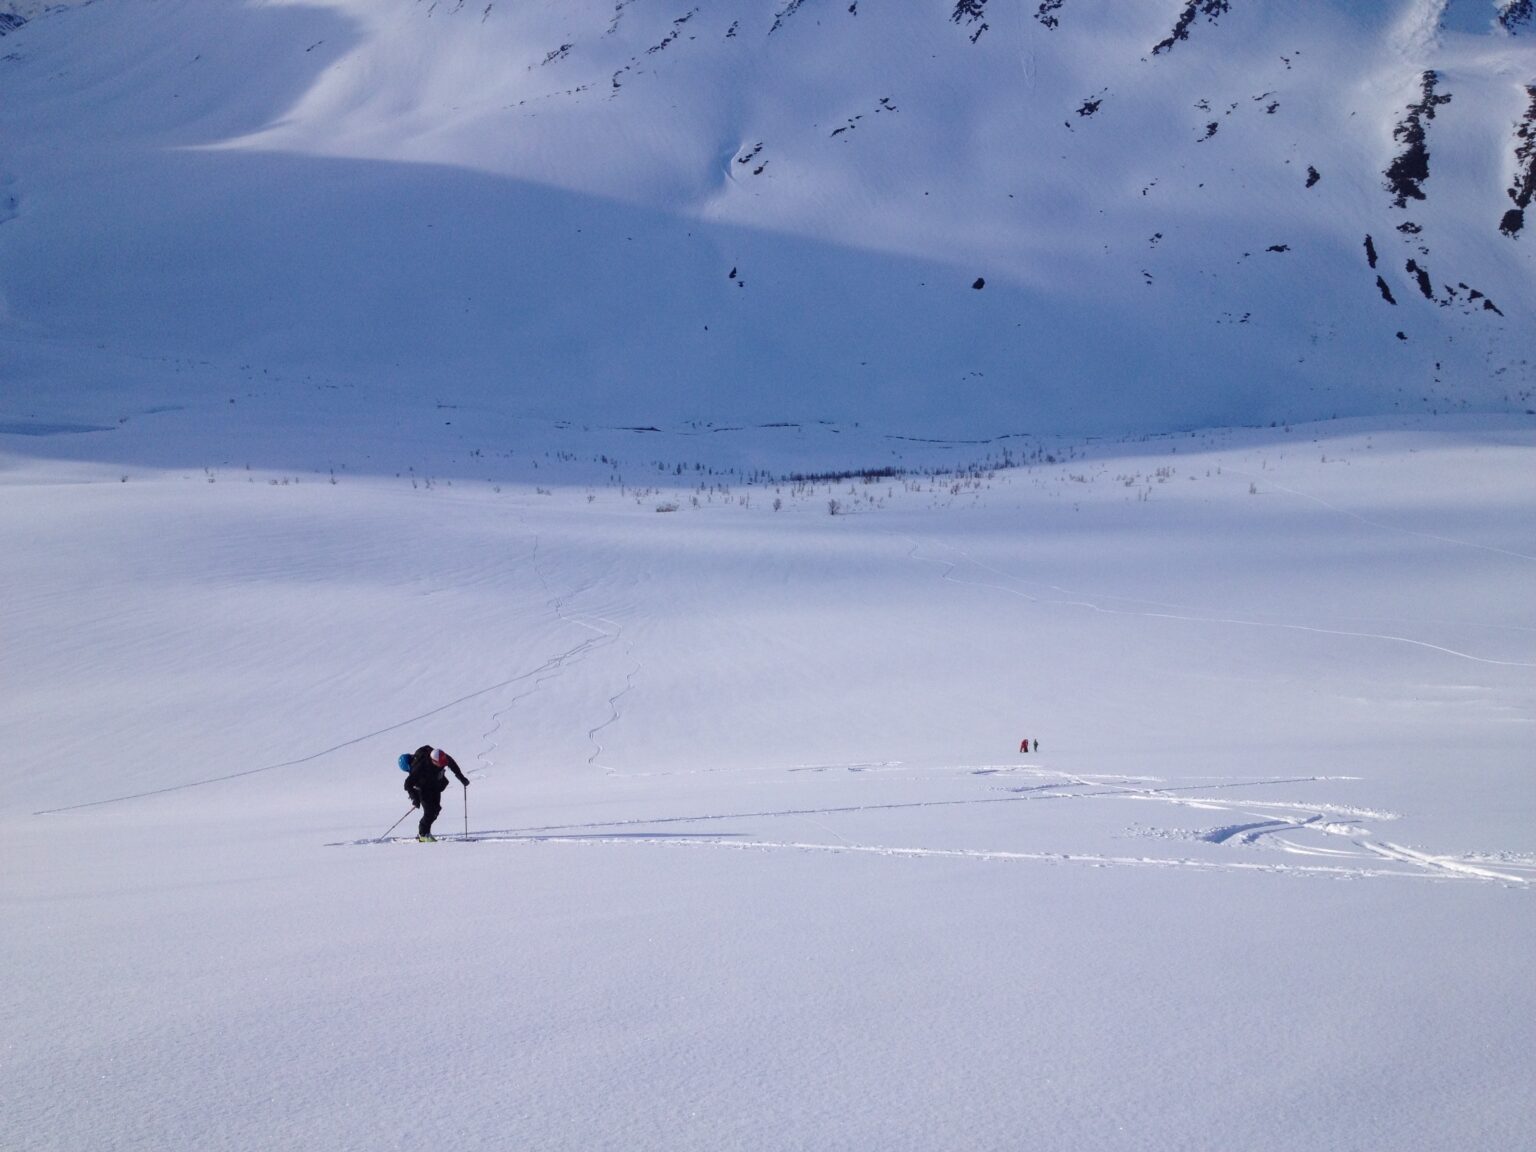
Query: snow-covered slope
point(679, 414)
point(1077, 215)
point(757, 863)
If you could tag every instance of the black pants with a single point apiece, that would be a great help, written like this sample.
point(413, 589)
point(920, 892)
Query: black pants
point(431, 808)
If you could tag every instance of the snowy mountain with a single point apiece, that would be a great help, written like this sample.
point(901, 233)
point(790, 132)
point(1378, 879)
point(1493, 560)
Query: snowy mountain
point(777, 449)
point(941, 218)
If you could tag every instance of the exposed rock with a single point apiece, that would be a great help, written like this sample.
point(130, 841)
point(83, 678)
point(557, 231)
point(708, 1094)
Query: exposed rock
point(1422, 276)
point(1046, 13)
point(1410, 168)
point(970, 12)
point(784, 14)
point(1514, 13)
point(1192, 8)
point(1523, 187)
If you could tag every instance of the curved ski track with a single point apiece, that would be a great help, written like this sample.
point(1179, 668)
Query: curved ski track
point(1356, 854)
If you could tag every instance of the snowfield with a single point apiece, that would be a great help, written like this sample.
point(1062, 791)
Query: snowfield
point(732, 431)
point(754, 858)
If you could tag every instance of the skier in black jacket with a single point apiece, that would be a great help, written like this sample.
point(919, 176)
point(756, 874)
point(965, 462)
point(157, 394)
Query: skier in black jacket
point(424, 782)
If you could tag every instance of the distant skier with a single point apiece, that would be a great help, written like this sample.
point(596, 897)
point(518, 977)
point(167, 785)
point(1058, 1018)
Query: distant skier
point(425, 780)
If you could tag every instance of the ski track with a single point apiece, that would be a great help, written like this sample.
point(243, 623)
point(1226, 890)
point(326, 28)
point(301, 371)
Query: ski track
point(1262, 823)
point(553, 663)
point(1268, 818)
point(546, 671)
point(1265, 822)
point(1441, 869)
point(855, 766)
point(604, 637)
point(1272, 817)
point(615, 714)
point(1179, 614)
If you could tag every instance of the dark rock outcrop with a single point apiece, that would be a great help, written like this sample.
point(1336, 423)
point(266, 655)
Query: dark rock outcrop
point(1523, 188)
point(1410, 168)
point(1210, 9)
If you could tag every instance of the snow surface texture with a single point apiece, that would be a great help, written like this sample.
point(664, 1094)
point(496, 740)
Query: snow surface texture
point(696, 443)
point(712, 211)
point(754, 860)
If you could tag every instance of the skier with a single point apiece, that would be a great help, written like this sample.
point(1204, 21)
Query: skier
point(424, 782)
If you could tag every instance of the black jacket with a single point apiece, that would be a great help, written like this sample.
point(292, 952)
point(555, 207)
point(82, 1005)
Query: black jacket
point(426, 778)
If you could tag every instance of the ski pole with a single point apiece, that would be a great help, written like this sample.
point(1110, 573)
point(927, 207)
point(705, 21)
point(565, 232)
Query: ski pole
point(396, 824)
point(466, 811)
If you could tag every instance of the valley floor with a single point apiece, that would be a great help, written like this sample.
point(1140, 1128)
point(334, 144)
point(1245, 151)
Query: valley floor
point(755, 859)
